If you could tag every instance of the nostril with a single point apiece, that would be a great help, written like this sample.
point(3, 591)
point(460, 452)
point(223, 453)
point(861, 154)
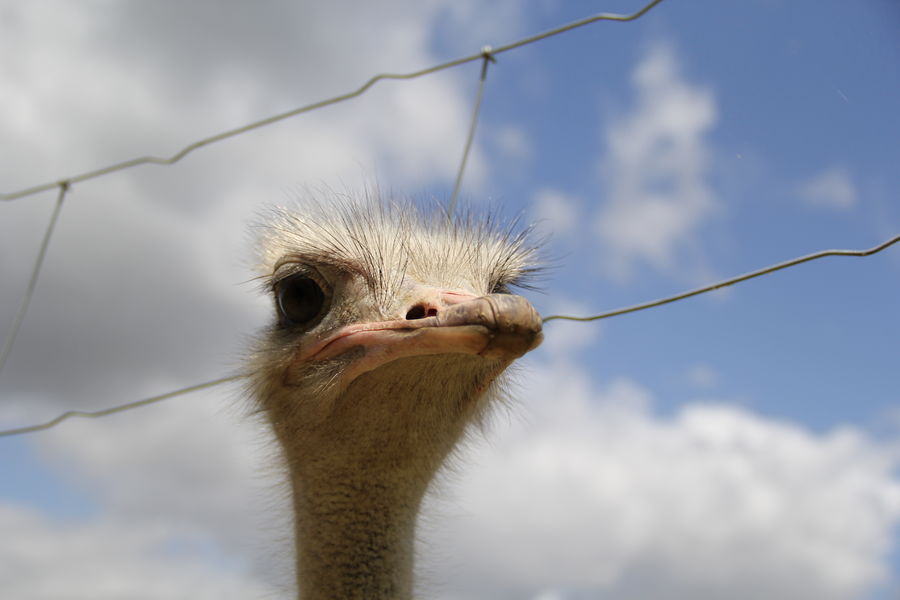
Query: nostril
point(416, 312)
point(419, 311)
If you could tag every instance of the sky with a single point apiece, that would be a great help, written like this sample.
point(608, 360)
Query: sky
point(743, 444)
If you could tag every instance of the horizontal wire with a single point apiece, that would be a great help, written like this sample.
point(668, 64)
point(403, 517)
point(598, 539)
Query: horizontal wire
point(727, 282)
point(122, 407)
point(709, 288)
point(486, 55)
point(158, 160)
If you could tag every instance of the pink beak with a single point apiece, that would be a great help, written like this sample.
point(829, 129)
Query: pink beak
point(499, 327)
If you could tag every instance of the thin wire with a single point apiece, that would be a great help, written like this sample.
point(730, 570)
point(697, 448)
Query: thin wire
point(488, 58)
point(486, 55)
point(32, 283)
point(727, 282)
point(614, 313)
point(120, 408)
point(321, 104)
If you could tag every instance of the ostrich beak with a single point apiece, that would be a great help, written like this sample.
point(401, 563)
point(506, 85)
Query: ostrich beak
point(499, 327)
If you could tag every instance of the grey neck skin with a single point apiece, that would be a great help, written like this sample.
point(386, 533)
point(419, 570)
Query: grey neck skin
point(360, 464)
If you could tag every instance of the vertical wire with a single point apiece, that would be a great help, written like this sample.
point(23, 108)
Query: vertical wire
point(487, 58)
point(29, 291)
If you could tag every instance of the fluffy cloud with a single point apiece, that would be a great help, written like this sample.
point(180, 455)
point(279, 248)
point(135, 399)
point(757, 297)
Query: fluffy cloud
point(143, 280)
point(832, 188)
point(593, 495)
point(579, 492)
point(194, 460)
point(188, 491)
point(108, 560)
point(656, 165)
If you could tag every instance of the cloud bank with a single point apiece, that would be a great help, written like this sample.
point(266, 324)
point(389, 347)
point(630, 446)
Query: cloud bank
point(597, 496)
point(583, 491)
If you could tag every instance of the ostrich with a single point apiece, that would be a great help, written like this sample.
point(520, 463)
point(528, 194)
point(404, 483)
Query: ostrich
point(392, 328)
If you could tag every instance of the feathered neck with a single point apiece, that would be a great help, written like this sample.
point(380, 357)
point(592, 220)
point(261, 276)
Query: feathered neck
point(358, 476)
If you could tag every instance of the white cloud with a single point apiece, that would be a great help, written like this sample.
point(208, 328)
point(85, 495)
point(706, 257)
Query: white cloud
point(656, 165)
point(112, 559)
point(595, 496)
point(189, 490)
point(193, 462)
point(833, 188)
point(143, 278)
point(584, 492)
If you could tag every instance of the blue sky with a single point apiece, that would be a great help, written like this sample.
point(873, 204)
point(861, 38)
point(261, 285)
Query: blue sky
point(798, 94)
point(745, 439)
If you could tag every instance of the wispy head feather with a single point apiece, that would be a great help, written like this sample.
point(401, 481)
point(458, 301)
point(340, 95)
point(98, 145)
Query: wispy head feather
point(382, 240)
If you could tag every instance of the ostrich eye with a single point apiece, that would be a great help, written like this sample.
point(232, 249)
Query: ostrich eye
point(300, 299)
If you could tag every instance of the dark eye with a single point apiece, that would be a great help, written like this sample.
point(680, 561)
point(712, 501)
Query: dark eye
point(300, 299)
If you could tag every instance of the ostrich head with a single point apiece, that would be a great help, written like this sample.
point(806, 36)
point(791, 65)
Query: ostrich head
point(391, 329)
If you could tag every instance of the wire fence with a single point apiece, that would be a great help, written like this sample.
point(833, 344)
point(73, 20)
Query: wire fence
point(615, 313)
point(165, 161)
point(486, 55)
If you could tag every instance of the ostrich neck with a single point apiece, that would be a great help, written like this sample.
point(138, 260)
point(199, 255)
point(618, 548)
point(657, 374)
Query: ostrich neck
point(355, 535)
point(359, 472)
